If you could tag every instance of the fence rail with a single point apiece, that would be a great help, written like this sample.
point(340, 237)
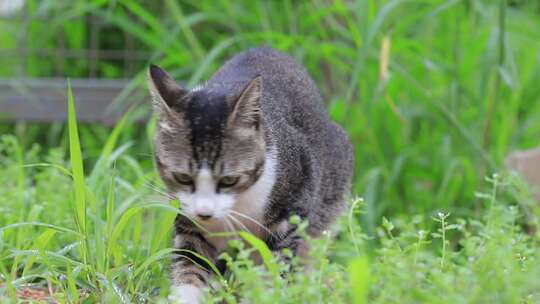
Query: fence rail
point(44, 99)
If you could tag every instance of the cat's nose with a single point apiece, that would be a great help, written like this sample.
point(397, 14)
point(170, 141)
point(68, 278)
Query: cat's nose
point(204, 216)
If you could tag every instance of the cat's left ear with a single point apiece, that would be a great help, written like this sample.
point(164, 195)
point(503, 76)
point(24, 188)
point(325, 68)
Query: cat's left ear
point(165, 91)
point(247, 110)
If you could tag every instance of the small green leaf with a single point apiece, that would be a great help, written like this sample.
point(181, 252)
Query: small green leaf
point(264, 251)
point(387, 224)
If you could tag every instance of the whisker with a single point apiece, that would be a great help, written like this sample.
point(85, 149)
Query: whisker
point(254, 221)
point(229, 226)
point(240, 225)
point(153, 186)
point(157, 190)
point(150, 182)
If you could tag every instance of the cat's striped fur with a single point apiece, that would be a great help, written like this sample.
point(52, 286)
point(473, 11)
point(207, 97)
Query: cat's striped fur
point(246, 151)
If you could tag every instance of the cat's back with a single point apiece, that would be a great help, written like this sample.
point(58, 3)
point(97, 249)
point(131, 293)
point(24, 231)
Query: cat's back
point(288, 91)
point(291, 101)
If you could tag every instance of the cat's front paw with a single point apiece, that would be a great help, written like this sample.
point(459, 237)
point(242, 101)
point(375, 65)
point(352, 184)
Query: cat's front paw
point(185, 294)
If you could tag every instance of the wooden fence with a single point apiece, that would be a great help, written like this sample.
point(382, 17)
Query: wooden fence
point(45, 100)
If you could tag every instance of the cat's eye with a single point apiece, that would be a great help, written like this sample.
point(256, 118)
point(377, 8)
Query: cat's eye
point(228, 181)
point(183, 179)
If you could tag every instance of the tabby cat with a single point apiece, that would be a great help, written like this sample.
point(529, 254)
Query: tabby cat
point(246, 151)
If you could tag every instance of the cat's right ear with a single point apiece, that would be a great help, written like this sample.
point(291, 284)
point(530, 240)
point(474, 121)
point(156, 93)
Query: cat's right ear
point(164, 90)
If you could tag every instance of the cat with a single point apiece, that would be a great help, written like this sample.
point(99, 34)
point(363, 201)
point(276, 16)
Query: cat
point(246, 151)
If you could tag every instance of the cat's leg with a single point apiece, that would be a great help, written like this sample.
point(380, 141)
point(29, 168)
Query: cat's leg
point(287, 236)
point(190, 274)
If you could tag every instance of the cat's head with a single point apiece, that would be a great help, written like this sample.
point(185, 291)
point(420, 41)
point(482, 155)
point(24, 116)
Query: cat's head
point(209, 144)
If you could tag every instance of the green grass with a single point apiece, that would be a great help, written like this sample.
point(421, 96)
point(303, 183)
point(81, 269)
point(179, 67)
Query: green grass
point(116, 249)
point(433, 93)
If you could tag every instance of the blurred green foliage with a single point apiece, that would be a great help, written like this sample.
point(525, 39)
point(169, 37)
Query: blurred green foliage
point(433, 93)
point(431, 113)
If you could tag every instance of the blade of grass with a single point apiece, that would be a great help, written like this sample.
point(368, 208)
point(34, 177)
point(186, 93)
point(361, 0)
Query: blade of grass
point(359, 280)
point(264, 251)
point(108, 149)
point(77, 170)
